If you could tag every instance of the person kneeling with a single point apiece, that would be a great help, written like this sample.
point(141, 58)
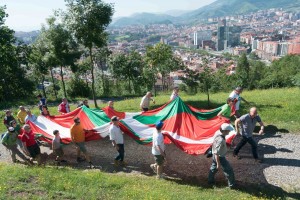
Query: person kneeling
point(158, 150)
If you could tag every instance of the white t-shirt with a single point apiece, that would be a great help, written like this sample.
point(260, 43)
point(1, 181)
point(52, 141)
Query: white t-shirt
point(116, 134)
point(145, 103)
point(173, 96)
point(234, 95)
point(158, 140)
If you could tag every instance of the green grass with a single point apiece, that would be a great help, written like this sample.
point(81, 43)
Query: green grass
point(278, 108)
point(19, 182)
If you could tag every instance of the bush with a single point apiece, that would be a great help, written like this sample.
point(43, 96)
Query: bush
point(78, 88)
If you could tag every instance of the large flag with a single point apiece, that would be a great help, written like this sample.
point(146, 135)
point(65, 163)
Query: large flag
point(190, 129)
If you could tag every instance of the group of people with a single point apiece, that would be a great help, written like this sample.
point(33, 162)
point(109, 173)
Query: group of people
point(26, 140)
point(244, 126)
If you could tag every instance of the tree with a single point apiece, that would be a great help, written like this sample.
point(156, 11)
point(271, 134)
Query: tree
point(191, 79)
point(206, 79)
point(101, 60)
point(88, 20)
point(128, 68)
point(160, 57)
point(242, 71)
point(63, 47)
point(14, 83)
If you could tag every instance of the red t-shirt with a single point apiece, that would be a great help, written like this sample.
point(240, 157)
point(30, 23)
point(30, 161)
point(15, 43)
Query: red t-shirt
point(28, 138)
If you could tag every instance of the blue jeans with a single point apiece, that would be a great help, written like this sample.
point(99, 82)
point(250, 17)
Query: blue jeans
point(243, 142)
point(227, 170)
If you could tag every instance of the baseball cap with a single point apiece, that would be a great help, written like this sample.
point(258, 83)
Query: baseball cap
point(159, 124)
point(226, 127)
point(114, 118)
point(11, 129)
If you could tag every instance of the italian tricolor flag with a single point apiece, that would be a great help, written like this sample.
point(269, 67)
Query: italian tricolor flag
point(190, 129)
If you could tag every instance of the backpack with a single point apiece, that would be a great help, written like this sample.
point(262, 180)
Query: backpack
point(4, 137)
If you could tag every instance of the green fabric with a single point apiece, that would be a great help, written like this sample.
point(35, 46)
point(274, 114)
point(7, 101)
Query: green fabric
point(226, 111)
point(10, 138)
point(96, 116)
point(144, 142)
point(176, 107)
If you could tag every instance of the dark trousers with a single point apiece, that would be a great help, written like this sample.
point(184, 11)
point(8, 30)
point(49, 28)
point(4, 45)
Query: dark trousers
point(121, 152)
point(243, 142)
point(227, 170)
point(145, 109)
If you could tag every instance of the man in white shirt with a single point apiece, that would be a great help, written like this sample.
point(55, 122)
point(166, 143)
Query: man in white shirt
point(235, 95)
point(145, 103)
point(158, 150)
point(174, 94)
point(116, 136)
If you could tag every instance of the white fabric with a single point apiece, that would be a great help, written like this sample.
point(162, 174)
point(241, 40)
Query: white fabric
point(145, 132)
point(173, 96)
point(234, 95)
point(49, 126)
point(158, 141)
point(116, 134)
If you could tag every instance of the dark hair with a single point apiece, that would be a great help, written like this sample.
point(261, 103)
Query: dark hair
point(55, 132)
point(229, 100)
point(44, 106)
point(11, 122)
point(39, 96)
point(76, 119)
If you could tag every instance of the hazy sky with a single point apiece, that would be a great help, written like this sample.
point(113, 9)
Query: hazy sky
point(26, 15)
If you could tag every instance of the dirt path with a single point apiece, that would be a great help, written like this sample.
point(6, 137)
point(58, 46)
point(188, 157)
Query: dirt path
point(280, 170)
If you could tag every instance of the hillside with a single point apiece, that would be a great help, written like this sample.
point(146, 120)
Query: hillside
point(216, 9)
point(144, 19)
point(233, 7)
point(27, 37)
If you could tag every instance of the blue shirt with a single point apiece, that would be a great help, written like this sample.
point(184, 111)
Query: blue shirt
point(30, 118)
point(248, 124)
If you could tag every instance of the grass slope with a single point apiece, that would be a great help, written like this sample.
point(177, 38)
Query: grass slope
point(20, 182)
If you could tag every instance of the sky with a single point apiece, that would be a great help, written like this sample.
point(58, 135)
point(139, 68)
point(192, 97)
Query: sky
point(28, 15)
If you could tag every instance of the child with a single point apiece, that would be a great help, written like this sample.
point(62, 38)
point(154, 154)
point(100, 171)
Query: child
point(57, 148)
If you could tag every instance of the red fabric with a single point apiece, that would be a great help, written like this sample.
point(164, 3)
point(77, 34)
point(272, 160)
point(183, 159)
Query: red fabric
point(28, 138)
point(111, 112)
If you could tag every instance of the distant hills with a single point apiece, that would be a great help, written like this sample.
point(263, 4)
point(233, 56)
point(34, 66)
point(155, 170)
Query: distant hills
point(216, 9)
point(27, 37)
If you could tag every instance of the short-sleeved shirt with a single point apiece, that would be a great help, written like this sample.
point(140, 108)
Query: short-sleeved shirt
point(226, 110)
point(77, 133)
point(158, 140)
point(248, 124)
point(11, 138)
point(115, 134)
point(32, 118)
point(8, 119)
point(235, 96)
point(56, 143)
point(28, 138)
point(145, 103)
point(219, 145)
point(21, 116)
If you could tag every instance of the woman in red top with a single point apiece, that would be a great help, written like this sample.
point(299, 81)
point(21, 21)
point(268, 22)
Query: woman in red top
point(30, 145)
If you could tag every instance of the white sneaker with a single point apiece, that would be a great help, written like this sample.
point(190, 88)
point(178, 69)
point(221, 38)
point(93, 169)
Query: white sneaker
point(153, 167)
